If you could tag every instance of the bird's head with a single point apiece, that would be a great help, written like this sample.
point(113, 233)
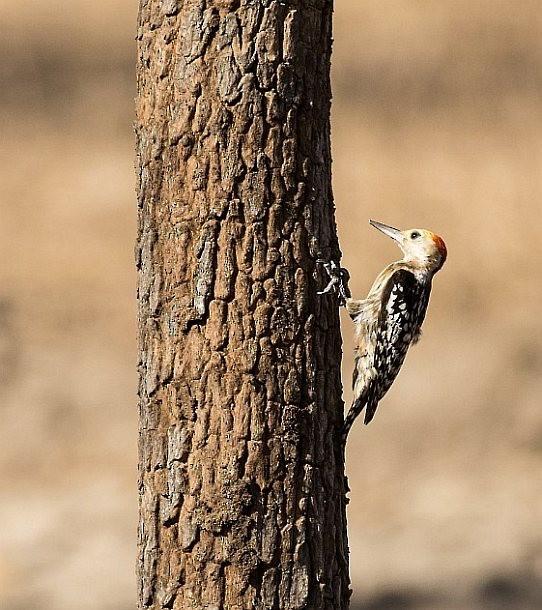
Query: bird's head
point(418, 245)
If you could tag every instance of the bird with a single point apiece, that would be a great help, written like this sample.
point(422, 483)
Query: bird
point(388, 321)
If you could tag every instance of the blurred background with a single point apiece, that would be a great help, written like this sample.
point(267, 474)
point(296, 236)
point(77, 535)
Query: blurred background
point(437, 122)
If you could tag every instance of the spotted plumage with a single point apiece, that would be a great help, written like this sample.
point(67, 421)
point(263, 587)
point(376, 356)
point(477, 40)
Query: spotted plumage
point(383, 339)
point(389, 320)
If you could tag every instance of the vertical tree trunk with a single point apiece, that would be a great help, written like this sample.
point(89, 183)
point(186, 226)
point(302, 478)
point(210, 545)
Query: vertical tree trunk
point(241, 475)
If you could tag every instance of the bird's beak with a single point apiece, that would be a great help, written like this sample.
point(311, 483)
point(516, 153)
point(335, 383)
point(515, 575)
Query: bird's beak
point(389, 231)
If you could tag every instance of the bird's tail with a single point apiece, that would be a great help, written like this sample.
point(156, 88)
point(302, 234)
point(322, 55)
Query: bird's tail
point(367, 402)
point(357, 407)
point(370, 411)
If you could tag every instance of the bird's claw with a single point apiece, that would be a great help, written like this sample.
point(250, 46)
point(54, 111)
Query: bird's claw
point(338, 280)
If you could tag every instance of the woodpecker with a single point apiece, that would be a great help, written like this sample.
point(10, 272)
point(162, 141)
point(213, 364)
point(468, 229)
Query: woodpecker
point(389, 320)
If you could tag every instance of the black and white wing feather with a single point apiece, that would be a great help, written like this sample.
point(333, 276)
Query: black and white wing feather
point(404, 303)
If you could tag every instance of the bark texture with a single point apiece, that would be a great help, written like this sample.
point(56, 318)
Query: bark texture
point(241, 476)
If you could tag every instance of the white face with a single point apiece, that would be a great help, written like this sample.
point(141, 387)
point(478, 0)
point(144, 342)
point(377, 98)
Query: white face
point(417, 244)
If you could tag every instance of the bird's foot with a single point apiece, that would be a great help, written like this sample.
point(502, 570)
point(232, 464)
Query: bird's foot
point(338, 280)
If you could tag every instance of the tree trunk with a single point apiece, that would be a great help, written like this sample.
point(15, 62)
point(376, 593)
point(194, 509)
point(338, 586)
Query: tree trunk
point(241, 474)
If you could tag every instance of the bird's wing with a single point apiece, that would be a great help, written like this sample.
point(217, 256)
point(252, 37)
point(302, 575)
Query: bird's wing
point(401, 298)
point(398, 322)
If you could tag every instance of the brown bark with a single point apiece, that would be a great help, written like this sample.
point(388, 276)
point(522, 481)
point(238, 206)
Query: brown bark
point(241, 475)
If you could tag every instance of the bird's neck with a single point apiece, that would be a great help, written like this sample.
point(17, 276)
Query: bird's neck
point(423, 269)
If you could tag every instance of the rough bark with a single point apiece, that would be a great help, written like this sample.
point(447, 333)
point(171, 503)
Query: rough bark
point(241, 475)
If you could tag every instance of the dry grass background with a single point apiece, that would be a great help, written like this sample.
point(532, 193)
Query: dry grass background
point(437, 122)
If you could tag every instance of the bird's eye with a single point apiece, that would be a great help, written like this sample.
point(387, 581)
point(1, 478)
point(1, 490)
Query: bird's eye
point(414, 235)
